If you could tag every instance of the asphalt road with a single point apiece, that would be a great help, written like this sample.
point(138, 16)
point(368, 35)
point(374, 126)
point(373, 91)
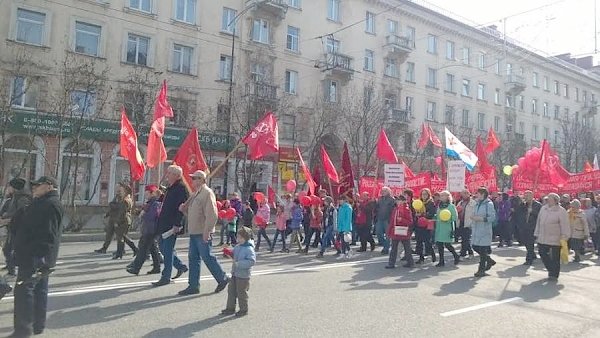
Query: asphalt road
point(294, 295)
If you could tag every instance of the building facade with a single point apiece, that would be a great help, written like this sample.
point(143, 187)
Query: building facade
point(68, 66)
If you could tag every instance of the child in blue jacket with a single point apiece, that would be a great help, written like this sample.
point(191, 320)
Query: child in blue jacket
point(344, 224)
point(244, 259)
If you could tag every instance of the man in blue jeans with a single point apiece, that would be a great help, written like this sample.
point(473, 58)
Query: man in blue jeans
point(201, 210)
point(170, 224)
point(383, 213)
point(329, 225)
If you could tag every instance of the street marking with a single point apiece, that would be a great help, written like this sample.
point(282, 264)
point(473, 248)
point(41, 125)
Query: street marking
point(95, 288)
point(478, 307)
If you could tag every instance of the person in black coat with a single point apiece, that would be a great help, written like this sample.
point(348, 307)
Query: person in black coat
point(526, 214)
point(36, 250)
point(12, 216)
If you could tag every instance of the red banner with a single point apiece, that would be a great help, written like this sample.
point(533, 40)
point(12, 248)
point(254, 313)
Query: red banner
point(521, 183)
point(368, 184)
point(438, 185)
point(578, 183)
point(418, 182)
point(477, 180)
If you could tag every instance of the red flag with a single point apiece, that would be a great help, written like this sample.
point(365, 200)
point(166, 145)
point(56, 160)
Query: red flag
point(271, 196)
point(316, 176)
point(550, 165)
point(129, 148)
point(347, 179)
point(189, 156)
point(156, 152)
point(492, 142)
point(587, 167)
point(433, 137)
point(162, 108)
point(328, 166)
point(263, 139)
point(307, 175)
point(484, 166)
point(408, 173)
point(385, 151)
point(424, 139)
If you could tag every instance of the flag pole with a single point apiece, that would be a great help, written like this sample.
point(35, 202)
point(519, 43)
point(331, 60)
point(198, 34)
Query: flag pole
point(376, 177)
point(231, 153)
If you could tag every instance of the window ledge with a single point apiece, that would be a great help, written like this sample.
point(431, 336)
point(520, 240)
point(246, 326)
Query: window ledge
point(183, 74)
point(125, 63)
point(22, 108)
point(43, 47)
point(230, 34)
point(224, 81)
point(334, 21)
point(371, 33)
point(497, 104)
point(293, 52)
point(431, 87)
point(290, 94)
point(102, 58)
point(450, 92)
point(185, 24)
point(409, 81)
point(391, 76)
point(104, 4)
point(139, 12)
point(369, 71)
point(482, 101)
point(466, 96)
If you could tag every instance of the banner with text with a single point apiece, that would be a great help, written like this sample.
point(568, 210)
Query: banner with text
point(393, 175)
point(456, 176)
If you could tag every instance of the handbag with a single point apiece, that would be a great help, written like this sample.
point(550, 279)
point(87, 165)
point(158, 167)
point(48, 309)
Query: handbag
point(400, 230)
point(423, 222)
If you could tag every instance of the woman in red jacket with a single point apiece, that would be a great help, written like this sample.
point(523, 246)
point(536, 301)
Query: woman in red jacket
point(399, 230)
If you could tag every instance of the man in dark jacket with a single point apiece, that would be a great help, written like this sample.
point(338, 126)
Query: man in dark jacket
point(170, 224)
point(383, 213)
point(36, 249)
point(527, 213)
point(12, 218)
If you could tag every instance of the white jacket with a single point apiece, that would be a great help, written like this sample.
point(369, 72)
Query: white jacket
point(469, 208)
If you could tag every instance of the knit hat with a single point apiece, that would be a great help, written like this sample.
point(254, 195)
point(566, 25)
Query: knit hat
point(17, 183)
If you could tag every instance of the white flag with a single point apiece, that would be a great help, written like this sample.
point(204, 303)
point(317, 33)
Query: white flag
point(596, 162)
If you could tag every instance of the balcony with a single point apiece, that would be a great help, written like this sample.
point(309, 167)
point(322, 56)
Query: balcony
point(261, 91)
point(401, 116)
point(272, 8)
point(338, 65)
point(514, 84)
point(398, 46)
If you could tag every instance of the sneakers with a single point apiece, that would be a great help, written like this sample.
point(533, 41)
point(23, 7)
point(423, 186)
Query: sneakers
point(180, 272)
point(222, 285)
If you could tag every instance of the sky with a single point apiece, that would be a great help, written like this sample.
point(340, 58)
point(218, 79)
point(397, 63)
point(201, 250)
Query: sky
point(560, 26)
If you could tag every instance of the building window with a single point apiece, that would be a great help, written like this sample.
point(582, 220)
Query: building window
point(227, 20)
point(87, 38)
point(411, 32)
point(497, 96)
point(545, 109)
point(431, 110)
point(83, 102)
point(185, 10)
point(293, 38)
point(30, 26)
point(260, 31)
point(24, 93)
point(287, 123)
point(182, 59)
point(521, 102)
point(450, 50)
point(367, 97)
point(497, 124)
point(509, 68)
point(258, 72)
point(465, 118)
point(389, 101)
point(534, 79)
point(481, 91)
point(431, 77)
point(481, 121)
point(497, 67)
point(225, 68)
point(391, 68)
point(432, 44)
point(556, 88)
point(182, 110)
point(466, 55)
point(450, 82)
point(223, 117)
point(410, 72)
point(576, 94)
point(449, 115)
point(333, 10)
point(333, 45)
point(369, 56)
point(509, 101)
point(294, 3)
point(291, 79)
point(370, 23)
point(566, 90)
point(141, 5)
point(482, 61)
point(545, 83)
point(392, 26)
point(78, 160)
point(556, 137)
point(408, 104)
point(522, 128)
point(466, 87)
point(137, 49)
point(331, 92)
point(556, 112)
point(584, 98)
point(534, 106)
point(534, 132)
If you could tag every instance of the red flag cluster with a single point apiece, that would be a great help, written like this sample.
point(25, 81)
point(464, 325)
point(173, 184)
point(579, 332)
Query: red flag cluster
point(385, 151)
point(328, 166)
point(189, 156)
point(129, 148)
point(428, 135)
point(156, 152)
point(263, 139)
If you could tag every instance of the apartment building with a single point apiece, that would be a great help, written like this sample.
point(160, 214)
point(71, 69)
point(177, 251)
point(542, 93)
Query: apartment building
point(69, 66)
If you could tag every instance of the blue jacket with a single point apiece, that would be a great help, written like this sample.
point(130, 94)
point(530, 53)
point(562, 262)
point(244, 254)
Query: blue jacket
point(344, 218)
point(482, 230)
point(150, 217)
point(170, 215)
point(296, 218)
point(244, 259)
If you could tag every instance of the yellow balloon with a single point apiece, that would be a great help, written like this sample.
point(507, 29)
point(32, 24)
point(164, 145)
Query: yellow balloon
point(417, 204)
point(445, 215)
point(507, 170)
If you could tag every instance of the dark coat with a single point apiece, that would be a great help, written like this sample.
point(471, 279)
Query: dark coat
point(170, 215)
point(39, 233)
point(16, 209)
point(527, 224)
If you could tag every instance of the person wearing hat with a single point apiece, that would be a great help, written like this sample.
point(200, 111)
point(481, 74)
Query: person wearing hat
point(36, 248)
point(201, 211)
point(12, 218)
point(119, 221)
point(147, 243)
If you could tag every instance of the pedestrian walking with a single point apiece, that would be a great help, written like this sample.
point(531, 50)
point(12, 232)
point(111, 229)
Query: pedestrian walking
point(551, 228)
point(579, 229)
point(383, 213)
point(247, 215)
point(344, 225)
point(244, 259)
point(504, 225)
point(316, 219)
point(364, 221)
point(201, 211)
point(119, 221)
point(262, 219)
point(330, 215)
point(482, 219)
point(444, 228)
point(12, 217)
point(425, 217)
point(147, 243)
point(37, 240)
point(280, 224)
point(528, 213)
point(400, 231)
point(170, 224)
point(590, 216)
point(465, 210)
point(295, 225)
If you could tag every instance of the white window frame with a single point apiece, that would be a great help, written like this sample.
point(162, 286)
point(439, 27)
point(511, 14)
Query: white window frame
point(450, 50)
point(497, 124)
point(556, 87)
point(369, 61)
point(139, 8)
point(534, 132)
point(431, 77)
point(393, 27)
point(138, 37)
point(370, 22)
point(391, 67)
point(521, 104)
point(465, 118)
point(95, 172)
point(186, 10)
point(225, 64)
point(23, 98)
point(292, 42)
point(497, 70)
point(545, 83)
point(333, 10)
point(410, 72)
point(535, 80)
point(431, 44)
point(545, 110)
point(174, 44)
point(481, 62)
point(534, 106)
point(411, 33)
point(94, 99)
point(481, 91)
point(409, 103)
point(291, 82)
point(101, 37)
point(431, 111)
point(228, 24)
point(497, 96)
point(45, 38)
point(481, 121)
point(466, 55)
point(258, 31)
point(297, 4)
point(332, 96)
point(450, 79)
point(466, 84)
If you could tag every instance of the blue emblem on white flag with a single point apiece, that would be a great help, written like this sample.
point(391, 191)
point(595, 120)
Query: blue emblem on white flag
point(455, 148)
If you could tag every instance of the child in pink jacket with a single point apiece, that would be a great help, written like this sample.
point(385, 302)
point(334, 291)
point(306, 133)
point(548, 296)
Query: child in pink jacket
point(280, 223)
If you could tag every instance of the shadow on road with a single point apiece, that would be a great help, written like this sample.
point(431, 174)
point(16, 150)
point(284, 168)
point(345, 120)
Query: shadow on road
point(457, 286)
point(536, 291)
point(188, 330)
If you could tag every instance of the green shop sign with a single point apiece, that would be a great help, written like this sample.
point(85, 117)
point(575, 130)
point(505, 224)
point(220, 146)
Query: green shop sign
point(103, 130)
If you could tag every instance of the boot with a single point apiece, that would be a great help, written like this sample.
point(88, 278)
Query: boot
point(102, 250)
point(482, 267)
point(120, 249)
point(489, 263)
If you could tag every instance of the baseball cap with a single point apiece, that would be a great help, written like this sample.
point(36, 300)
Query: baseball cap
point(198, 174)
point(45, 180)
